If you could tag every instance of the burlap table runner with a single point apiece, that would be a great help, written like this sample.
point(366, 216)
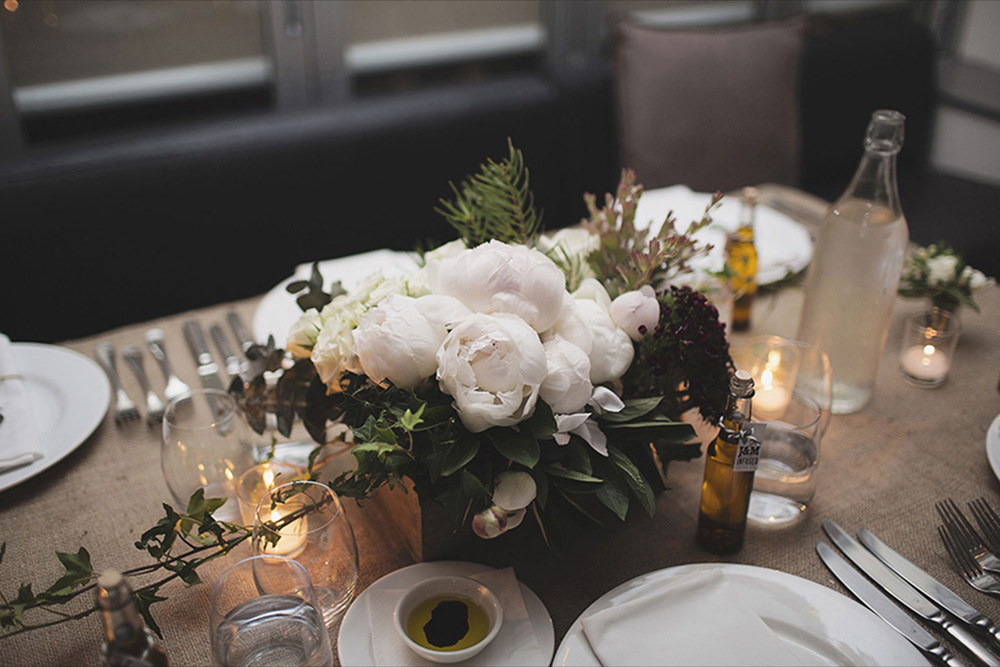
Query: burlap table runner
point(882, 468)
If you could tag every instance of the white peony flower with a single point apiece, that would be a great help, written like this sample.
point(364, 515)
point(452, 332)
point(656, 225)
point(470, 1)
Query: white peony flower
point(592, 290)
point(514, 490)
point(302, 335)
point(499, 278)
point(974, 278)
point(574, 243)
point(493, 366)
point(636, 312)
point(394, 341)
point(941, 269)
point(442, 311)
point(612, 349)
point(334, 352)
point(567, 386)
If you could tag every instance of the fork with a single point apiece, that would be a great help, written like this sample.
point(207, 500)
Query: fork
point(965, 536)
point(175, 386)
point(967, 566)
point(154, 406)
point(988, 522)
point(125, 409)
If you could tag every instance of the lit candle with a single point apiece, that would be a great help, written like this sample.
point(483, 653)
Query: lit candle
point(292, 538)
point(770, 400)
point(256, 482)
point(925, 362)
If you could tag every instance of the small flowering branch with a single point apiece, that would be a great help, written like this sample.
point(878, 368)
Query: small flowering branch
point(940, 273)
point(628, 257)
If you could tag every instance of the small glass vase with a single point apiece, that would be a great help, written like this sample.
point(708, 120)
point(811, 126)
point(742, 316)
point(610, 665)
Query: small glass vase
point(947, 311)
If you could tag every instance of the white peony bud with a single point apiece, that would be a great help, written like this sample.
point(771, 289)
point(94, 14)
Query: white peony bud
point(514, 490)
point(637, 312)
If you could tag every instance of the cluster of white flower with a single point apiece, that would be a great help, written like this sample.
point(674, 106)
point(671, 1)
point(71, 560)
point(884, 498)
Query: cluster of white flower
point(497, 329)
point(944, 270)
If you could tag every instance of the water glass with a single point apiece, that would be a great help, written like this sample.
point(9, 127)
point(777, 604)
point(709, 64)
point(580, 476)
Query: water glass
point(207, 445)
point(785, 481)
point(305, 521)
point(778, 364)
point(929, 342)
point(264, 612)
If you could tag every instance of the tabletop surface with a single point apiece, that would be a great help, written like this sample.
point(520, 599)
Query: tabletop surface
point(882, 468)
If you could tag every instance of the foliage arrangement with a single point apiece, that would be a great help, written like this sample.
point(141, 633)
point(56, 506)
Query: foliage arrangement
point(514, 374)
point(939, 272)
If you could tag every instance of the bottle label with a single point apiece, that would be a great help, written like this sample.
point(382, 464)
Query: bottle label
point(748, 450)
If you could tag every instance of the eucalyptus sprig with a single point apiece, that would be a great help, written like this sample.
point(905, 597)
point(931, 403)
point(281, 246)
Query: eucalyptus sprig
point(495, 204)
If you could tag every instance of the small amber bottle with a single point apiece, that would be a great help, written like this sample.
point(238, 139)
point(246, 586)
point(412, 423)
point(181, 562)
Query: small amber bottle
point(741, 256)
point(725, 492)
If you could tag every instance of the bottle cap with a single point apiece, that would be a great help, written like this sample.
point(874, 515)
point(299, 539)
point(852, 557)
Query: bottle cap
point(741, 384)
point(112, 591)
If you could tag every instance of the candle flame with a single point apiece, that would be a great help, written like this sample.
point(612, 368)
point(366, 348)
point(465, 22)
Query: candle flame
point(929, 350)
point(268, 479)
point(767, 378)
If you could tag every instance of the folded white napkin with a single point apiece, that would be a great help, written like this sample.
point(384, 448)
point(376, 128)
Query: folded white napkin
point(516, 644)
point(699, 620)
point(18, 430)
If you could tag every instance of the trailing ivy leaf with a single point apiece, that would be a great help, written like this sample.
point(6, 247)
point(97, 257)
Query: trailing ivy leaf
point(410, 420)
point(634, 408)
point(78, 572)
point(518, 446)
point(637, 484)
point(458, 454)
point(143, 601)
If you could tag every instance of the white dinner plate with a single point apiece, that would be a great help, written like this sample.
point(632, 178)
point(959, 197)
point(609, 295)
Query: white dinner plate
point(993, 446)
point(783, 245)
point(278, 311)
point(354, 643)
point(69, 396)
point(813, 620)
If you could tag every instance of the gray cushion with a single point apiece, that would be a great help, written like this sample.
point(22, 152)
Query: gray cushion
point(715, 109)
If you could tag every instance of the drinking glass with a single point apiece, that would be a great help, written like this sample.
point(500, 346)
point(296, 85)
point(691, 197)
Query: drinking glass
point(778, 364)
point(206, 444)
point(929, 342)
point(785, 481)
point(264, 612)
point(305, 521)
point(258, 480)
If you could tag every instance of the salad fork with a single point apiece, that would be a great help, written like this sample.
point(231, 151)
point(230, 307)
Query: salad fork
point(967, 566)
point(965, 536)
point(154, 406)
point(175, 386)
point(988, 522)
point(125, 410)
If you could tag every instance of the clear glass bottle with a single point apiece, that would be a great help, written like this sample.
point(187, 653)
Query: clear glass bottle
point(741, 256)
point(725, 492)
point(127, 640)
point(856, 266)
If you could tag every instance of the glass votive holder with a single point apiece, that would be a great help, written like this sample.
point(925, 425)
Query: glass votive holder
point(929, 341)
point(256, 482)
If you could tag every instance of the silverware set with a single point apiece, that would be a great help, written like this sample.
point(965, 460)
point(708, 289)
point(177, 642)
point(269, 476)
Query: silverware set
point(900, 581)
point(236, 366)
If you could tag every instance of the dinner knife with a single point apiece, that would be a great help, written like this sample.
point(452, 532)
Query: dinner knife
point(905, 593)
point(233, 366)
point(885, 608)
point(207, 370)
point(19, 461)
point(931, 587)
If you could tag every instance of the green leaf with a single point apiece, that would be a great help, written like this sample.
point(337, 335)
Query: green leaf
point(571, 475)
point(78, 572)
point(410, 420)
point(143, 601)
point(541, 486)
point(458, 454)
point(637, 484)
point(634, 408)
point(542, 423)
point(3, 550)
point(613, 494)
point(518, 446)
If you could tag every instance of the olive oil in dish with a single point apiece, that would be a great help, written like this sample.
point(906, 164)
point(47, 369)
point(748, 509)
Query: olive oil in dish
point(447, 623)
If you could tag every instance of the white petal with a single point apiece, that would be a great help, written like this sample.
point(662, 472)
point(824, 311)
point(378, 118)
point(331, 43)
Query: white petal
point(566, 423)
point(514, 490)
point(594, 436)
point(607, 400)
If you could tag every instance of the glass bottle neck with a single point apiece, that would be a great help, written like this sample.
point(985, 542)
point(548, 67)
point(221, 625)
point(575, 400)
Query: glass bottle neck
point(738, 410)
point(122, 623)
point(875, 180)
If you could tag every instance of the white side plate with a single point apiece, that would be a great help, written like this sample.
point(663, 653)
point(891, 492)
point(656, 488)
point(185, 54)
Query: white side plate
point(813, 620)
point(354, 643)
point(993, 446)
point(69, 394)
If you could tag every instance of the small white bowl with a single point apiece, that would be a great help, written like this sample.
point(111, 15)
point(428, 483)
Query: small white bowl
point(460, 587)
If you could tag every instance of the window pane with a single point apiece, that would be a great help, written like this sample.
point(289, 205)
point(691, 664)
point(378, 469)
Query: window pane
point(376, 20)
point(51, 41)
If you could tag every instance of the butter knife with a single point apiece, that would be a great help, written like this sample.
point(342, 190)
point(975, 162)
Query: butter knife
point(885, 608)
point(233, 367)
point(905, 593)
point(253, 367)
point(207, 369)
point(932, 588)
point(19, 461)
